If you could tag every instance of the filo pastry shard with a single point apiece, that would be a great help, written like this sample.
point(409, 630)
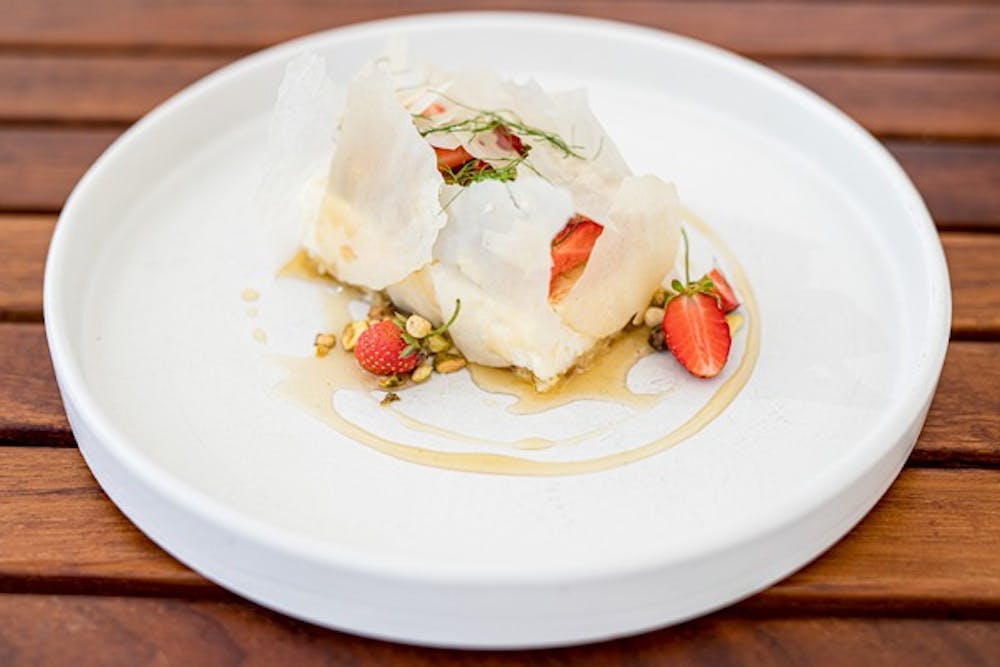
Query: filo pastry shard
point(477, 188)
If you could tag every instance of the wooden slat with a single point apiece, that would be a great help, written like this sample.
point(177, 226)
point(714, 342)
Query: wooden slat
point(31, 410)
point(874, 30)
point(24, 240)
point(945, 102)
point(958, 181)
point(972, 258)
point(39, 166)
point(963, 427)
point(111, 632)
point(930, 544)
point(93, 88)
point(974, 264)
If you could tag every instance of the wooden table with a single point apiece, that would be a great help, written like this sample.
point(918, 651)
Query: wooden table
point(917, 582)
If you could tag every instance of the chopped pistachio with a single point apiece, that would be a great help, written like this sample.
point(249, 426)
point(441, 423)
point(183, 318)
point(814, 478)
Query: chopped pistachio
point(417, 326)
point(423, 371)
point(449, 363)
point(352, 331)
point(324, 342)
point(437, 343)
point(653, 316)
point(659, 298)
point(390, 397)
point(392, 381)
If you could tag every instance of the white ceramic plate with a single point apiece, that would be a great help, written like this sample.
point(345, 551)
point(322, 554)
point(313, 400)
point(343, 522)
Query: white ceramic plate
point(174, 396)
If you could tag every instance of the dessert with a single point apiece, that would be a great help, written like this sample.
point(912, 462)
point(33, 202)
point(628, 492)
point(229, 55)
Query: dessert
point(496, 223)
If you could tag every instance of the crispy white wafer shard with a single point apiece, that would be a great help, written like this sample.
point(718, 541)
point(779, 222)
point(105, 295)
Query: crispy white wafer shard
point(629, 259)
point(299, 150)
point(381, 214)
point(494, 255)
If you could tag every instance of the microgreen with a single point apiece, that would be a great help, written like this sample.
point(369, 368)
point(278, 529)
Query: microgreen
point(414, 345)
point(488, 121)
point(688, 288)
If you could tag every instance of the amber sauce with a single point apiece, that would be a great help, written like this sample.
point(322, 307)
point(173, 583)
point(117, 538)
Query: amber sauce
point(311, 382)
point(604, 379)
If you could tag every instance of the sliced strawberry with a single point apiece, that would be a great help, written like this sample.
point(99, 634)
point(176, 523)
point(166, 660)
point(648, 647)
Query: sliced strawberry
point(721, 289)
point(509, 141)
point(572, 246)
point(451, 159)
point(695, 330)
point(380, 350)
point(433, 109)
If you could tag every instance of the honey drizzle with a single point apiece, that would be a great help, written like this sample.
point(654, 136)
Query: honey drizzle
point(312, 384)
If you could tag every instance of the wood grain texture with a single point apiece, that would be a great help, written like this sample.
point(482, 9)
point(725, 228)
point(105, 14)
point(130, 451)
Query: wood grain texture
point(897, 100)
point(24, 240)
point(963, 427)
point(957, 181)
point(93, 88)
point(942, 102)
point(135, 632)
point(31, 410)
point(40, 165)
point(972, 260)
point(929, 545)
point(866, 30)
point(974, 264)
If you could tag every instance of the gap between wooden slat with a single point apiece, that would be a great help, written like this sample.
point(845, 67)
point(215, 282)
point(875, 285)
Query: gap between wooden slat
point(871, 30)
point(929, 545)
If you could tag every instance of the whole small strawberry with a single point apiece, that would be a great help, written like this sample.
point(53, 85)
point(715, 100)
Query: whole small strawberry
point(382, 350)
point(694, 324)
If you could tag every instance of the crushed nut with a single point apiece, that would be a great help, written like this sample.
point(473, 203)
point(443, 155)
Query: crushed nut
point(380, 311)
point(390, 397)
point(449, 363)
point(352, 331)
point(423, 371)
point(437, 343)
point(653, 316)
point(659, 298)
point(392, 381)
point(417, 326)
point(324, 342)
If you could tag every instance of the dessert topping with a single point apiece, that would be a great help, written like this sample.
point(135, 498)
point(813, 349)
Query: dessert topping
point(694, 322)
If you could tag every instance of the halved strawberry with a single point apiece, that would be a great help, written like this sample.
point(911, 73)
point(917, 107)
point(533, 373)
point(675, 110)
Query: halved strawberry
point(721, 289)
point(381, 347)
point(694, 324)
point(695, 330)
point(572, 247)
